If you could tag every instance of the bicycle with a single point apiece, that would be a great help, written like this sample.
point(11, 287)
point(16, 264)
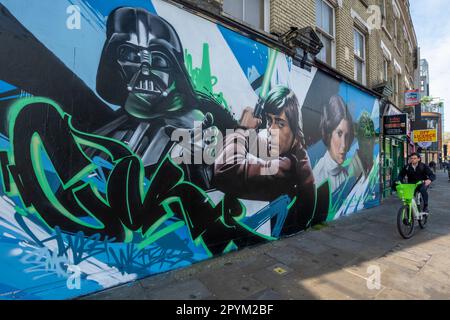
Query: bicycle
point(411, 211)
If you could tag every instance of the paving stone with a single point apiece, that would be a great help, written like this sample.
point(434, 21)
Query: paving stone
point(357, 227)
point(288, 255)
point(325, 291)
point(319, 236)
point(235, 286)
point(188, 290)
point(412, 256)
point(365, 269)
point(289, 286)
point(392, 294)
point(397, 261)
point(347, 245)
point(436, 228)
point(268, 294)
point(339, 257)
point(332, 263)
point(160, 280)
point(351, 235)
point(130, 291)
point(252, 264)
point(437, 274)
point(350, 285)
point(413, 284)
point(439, 261)
point(308, 245)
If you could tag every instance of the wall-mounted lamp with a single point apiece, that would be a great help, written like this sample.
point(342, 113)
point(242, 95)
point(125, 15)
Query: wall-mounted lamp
point(303, 42)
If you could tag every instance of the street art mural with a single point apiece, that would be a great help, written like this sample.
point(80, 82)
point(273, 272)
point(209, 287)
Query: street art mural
point(137, 138)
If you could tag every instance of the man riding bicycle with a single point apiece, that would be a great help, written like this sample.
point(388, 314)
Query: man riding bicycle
point(417, 171)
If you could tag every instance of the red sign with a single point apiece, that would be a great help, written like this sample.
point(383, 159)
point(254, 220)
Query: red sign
point(412, 98)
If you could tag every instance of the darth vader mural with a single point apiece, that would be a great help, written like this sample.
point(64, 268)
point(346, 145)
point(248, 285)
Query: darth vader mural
point(101, 131)
point(142, 69)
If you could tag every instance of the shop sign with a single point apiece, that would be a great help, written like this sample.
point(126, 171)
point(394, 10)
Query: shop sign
point(395, 125)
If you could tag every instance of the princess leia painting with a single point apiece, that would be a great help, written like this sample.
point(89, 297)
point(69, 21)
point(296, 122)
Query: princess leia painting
point(337, 134)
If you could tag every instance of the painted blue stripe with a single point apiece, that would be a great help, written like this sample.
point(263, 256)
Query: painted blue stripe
point(4, 86)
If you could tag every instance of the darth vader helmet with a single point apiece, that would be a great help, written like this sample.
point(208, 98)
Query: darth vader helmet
point(142, 64)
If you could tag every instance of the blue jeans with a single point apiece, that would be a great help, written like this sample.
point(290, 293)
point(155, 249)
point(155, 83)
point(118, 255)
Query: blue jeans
point(424, 192)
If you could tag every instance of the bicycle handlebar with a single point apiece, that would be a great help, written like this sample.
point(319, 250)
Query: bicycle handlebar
point(417, 184)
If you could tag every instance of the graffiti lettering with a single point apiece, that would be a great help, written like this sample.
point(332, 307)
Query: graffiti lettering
point(76, 205)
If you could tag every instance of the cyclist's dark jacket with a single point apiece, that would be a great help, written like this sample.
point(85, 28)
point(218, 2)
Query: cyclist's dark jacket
point(422, 172)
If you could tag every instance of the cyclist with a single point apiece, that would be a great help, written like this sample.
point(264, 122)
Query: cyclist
point(417, 171)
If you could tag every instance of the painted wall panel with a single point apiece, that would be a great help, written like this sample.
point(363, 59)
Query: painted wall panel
point(100, 183)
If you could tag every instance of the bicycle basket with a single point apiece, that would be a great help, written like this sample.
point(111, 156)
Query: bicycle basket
point(406, 191)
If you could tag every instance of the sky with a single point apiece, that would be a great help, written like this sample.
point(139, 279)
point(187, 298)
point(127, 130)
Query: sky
point(430, 18)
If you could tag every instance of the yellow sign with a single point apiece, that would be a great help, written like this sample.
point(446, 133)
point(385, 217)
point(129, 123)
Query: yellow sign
point(425, 136)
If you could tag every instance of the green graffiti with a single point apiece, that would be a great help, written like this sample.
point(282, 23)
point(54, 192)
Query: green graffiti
point(365, 128)
point(143, 215)
point(202, 78)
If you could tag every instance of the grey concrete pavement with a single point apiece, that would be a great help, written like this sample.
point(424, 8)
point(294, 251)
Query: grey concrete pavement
point(335, 262)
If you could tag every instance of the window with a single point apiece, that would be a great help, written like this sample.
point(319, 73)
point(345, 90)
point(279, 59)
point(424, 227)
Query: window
point(360, 56)
point(325, 21)
point(383, 9)
point(397, 39)
point(396, 88)
point(395, 29)
point(385, 70)
point(253, 12)
point(383, 13)
point(431, 124)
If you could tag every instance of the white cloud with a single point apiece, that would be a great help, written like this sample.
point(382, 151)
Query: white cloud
point(433, 33)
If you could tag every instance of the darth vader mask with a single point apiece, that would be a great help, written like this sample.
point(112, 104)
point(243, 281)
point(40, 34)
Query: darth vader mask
point(142, 64)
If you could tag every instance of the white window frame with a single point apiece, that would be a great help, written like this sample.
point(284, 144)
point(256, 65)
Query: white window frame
point(384, 13)
point(395, 30)
point(397, 12)
point(397, 67)
point(329, 36)
point(266, 12)
point(407, 83)
point(387, 54)
point(267, 15)
point(397, 36)
point(385, 70)
point(363, 60)
point(396, 87)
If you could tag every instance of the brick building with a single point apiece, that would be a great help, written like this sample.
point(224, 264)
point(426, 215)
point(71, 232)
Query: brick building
point(370, 41)
point(156, 86)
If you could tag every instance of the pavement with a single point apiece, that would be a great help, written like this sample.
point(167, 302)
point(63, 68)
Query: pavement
point(361, 256)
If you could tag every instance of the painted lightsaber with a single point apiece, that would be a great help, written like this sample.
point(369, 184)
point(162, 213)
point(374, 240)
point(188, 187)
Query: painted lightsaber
point(266, 83)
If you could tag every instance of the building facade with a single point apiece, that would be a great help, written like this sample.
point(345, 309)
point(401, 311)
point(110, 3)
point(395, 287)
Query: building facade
point(96, 150)
point(433, 152)
point(372, 42)
point(433, 116)
point(424, 78)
